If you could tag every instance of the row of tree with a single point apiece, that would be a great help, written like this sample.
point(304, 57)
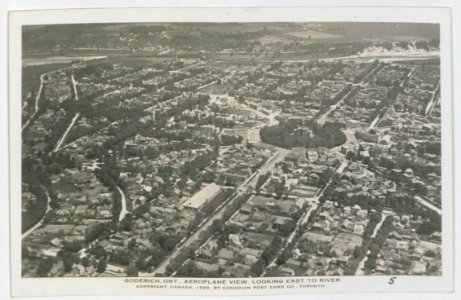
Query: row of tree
point(378, 242)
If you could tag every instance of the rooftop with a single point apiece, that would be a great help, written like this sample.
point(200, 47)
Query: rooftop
point(202, 196)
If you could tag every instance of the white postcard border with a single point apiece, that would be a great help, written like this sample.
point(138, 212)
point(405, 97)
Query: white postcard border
point(94, 286)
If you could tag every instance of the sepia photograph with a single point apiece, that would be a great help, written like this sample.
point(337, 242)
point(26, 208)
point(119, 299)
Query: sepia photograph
point(231, 150)
point(168, 155)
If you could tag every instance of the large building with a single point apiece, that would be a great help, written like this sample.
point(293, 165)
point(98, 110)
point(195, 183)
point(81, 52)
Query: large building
point(203, 197)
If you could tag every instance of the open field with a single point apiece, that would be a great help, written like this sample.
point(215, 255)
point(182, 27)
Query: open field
point(31, 75)
point(314, 35)
point(57, 60)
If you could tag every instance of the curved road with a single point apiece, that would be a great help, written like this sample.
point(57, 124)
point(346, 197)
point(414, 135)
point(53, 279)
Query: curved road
point(123, 211)
point(39, 223)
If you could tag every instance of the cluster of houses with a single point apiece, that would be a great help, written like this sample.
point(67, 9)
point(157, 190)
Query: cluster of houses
point(236, 164)
point(406, 252)
point(163, 196)
point(233, 257)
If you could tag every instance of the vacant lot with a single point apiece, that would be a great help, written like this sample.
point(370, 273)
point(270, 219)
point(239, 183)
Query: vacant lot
point(220, 89)
point(344, 242)
point(317, 237)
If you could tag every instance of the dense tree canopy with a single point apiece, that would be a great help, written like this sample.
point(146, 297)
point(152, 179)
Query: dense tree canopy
point(284, 135)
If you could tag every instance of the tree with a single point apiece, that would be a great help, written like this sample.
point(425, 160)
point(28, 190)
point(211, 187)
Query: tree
point(283, 257)
point(429, 253)
point(261, 180)
point(24, 251)
point(287, 227)
point(72, 246)
point(101, 266)
point(358, 252)
point(122, 256)
point(258, 267)
point(370, 263)
point(97, 251)
point(228, 140)
point(373, 248)
point(167, 242)
point(132, 271)
point(86, 262)
point(421, 188)
point(45, 266)
point(434, 224)
point(68, 259)
point(322, 199)
point(350, 155)
point(98, 231)
point(271, 250)
point(132, 244)
point(209, 177)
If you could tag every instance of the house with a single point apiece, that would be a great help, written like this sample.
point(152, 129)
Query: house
point(437, 236)
point(356, 208)
point(234, 240)
point(395, 235)
point(346, 224)
point(246, 209)
point(297, 154)
point(250, 259)
point(208, 250)
point(300, 202)
point(359, 229)
point(288, 271)
point(56, 242)
point(362, 213)
point(225, 254)
point(323, 215)
point(328, 204)
point(312, 155)
point(209, 268)
point(402, 245)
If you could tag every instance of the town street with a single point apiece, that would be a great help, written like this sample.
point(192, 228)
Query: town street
point(218, 214)
point(322, 119)
point(314, 204)
point(187, 67)
point(37, 99)
point(247, 186)
point(269, 165)
point(431, 104)
point(63, 137)
point(429, 205)
point(74, 86)
point(360, 268)
point(302, 220)
point(74, 119)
